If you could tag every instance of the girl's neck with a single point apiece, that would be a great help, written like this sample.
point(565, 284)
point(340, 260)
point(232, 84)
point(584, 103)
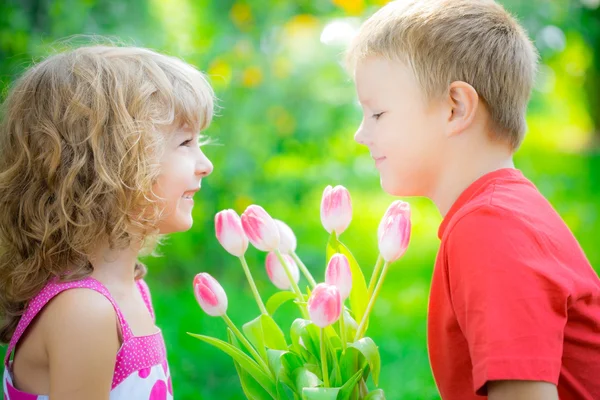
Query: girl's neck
point(115, 267)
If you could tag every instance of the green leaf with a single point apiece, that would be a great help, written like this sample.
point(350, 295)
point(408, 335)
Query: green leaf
point(348, 387)
point(283, 363)
point(349, 363)
point(244, 360)
point(290, 362)
point(369, 350)
point(252, 389)
point(305, 329)
point(278, 299)
point(274, 360)
point(305, 378)
point(273, 336)
point(335, 377)
point(286, 392)
point(320, 393)
point(351, 325)
point(254, 332)
point(375, 395)
point(358, 294)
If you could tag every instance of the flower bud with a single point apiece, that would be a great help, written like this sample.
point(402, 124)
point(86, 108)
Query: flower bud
point(260, 228)
point(230, 233)
point(336, 209)
point(394, 231)
point(324, 305)
point(210, 295)
point(277, 273)
point(338, 274)
point(287, 239)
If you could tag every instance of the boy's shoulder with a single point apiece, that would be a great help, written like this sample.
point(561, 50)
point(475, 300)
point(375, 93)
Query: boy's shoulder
point(507, 201)
point(509, 225)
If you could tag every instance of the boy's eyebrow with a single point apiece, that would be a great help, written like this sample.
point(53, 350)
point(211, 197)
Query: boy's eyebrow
point(366, 102)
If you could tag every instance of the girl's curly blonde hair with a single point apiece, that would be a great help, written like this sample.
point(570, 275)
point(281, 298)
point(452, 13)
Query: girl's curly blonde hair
point(80, 142)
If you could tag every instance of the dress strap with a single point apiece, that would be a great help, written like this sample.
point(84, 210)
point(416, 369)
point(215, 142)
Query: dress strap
point(145, 291)
point(51, 290)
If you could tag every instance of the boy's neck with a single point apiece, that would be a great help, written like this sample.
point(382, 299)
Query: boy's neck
point(460, 172)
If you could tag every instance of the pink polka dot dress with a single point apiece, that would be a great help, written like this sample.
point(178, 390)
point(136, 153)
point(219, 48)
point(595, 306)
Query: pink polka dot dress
point(141, 369)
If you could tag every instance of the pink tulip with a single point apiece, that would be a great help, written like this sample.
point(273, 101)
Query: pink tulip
point(338, 274)
point(276, 272)
point(394, 231)
point(230, 233)
point(336, 209)
point(210, 295)
point(260, 228)
point(287, 238)
point(324, 305)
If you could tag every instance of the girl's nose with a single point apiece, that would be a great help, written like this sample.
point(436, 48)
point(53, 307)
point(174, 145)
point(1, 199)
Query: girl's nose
point(203, 167)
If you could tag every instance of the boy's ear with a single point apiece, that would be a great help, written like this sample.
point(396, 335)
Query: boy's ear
point(463, 101)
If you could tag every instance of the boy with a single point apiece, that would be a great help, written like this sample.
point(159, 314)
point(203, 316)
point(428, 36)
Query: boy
point(514, 309)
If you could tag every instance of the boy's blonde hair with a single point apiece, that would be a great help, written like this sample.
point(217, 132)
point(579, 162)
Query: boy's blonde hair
point(475, 41)
point(80, 143)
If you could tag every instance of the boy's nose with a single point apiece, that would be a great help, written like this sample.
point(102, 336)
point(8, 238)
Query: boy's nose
point(360, 135)
point(203, 167)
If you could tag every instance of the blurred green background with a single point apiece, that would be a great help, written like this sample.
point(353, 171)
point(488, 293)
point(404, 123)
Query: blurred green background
point(286, 120)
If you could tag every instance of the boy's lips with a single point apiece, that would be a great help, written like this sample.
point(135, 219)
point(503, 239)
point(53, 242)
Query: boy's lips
point(378, 160)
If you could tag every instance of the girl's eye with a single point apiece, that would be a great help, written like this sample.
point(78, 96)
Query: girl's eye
point(187, 142)
point(376, 116)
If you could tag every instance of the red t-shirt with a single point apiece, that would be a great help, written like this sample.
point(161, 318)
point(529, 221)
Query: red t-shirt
point(513, 296)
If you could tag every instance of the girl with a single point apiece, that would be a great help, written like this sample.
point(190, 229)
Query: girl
point(99, 155)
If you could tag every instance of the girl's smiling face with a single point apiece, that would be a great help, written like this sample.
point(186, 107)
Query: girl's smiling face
point(182, 166)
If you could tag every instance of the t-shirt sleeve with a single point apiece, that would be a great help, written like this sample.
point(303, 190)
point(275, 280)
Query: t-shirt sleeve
point(508, 296)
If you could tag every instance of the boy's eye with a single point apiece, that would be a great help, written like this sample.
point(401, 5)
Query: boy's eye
point(376, 116)
point(187, 142)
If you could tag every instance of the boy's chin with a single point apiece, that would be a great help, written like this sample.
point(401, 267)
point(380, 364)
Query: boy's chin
point(398, 189)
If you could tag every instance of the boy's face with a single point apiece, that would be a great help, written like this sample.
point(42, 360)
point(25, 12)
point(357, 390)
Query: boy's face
point(183, 165)
point(403, 132)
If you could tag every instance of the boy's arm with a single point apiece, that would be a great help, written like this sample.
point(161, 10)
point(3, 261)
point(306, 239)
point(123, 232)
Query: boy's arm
point(521, 390)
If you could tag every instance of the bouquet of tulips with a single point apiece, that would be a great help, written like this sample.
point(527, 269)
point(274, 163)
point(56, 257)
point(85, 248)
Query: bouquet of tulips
point(326, 355)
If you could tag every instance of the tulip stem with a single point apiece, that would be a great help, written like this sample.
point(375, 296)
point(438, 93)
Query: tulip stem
point(374, 276)
point(324, 368)
point(365, 318)
point(343, 330)
point(295, 287)
point(246, 343)
point(259, 301)
point(286, 268)
point(304, 270)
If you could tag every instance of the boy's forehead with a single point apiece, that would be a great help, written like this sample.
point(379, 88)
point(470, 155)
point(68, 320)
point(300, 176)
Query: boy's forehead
point(372, 75)
point(375, 75)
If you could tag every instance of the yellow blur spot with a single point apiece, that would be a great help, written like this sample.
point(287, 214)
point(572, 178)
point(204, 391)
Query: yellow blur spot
point(301, 24)
point(241, 15)
point(220, 73)
point(241, 203)
point(252, 76)
point(353, 7)
point(284, 122)
point(282, 67)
